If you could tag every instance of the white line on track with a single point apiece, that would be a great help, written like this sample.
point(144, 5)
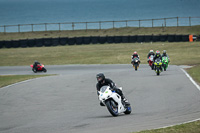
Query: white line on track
point(191, 79)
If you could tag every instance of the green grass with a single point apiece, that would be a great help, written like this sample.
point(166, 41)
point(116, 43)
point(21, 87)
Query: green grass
point(11, 79)
point(182, 53)
point(193, 127)
point(195, 73)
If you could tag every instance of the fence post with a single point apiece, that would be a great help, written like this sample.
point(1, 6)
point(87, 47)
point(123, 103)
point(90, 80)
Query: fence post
point(32, 27)
point(45, 26)
point(86, 25)
point(73, 25)
point(4, 29)
point(177, 21)
point(165, 22)
point(59, 26)
point(139, 23)
point(100, 25)
point(19, 28)
point(189, 21)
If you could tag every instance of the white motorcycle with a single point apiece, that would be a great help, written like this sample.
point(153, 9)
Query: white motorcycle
point(113, 101)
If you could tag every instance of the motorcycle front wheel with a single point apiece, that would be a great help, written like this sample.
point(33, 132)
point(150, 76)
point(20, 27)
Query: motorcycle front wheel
point(44, 70)
point(112, 107)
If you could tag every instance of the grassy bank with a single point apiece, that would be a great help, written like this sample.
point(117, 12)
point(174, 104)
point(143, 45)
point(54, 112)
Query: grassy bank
point(193, 127)
point(11, 79)
point(182, 53)
point(104, 32)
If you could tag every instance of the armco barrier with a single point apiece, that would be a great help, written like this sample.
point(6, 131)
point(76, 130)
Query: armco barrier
point(93, 40)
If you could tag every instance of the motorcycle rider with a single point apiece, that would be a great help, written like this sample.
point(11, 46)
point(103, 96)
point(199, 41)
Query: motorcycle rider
point(102, 81)
point(157, 55)
point(165, 54)
point(35, 64)
point(149, 54)
point(135, 54)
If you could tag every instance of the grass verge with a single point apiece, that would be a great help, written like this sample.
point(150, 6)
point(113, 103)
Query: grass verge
point(193, 127)
point(181, 53)
point(11, 79)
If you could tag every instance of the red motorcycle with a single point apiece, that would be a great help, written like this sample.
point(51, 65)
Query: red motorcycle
point(151, 64)
point(40, 68)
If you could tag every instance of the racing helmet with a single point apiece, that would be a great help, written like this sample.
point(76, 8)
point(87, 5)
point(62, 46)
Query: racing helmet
point(151, 51)
point(157, 53)
point(164, 52)
point(135, 52)
point(100, 77)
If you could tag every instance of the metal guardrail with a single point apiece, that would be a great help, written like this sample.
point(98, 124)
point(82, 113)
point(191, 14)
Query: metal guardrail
point(160, 22)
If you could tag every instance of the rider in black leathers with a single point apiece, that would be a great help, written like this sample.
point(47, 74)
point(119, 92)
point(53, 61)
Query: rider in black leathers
point(102, 81)
point(157, 55)
point(149, 54)
point(35, 65)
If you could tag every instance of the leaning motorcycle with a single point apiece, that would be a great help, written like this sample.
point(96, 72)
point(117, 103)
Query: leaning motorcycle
point(113, 101)
point(165, 62)
point(150, 61)
point(135, 62)
point(40, 67)
point(158, 66)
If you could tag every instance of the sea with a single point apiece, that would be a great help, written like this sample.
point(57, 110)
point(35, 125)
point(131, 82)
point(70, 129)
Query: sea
point(69, 12)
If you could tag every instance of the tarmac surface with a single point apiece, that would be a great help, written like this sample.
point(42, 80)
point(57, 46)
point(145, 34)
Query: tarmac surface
point(68, 103)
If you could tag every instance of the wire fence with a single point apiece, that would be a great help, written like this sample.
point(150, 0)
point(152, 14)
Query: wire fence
point(160, 22)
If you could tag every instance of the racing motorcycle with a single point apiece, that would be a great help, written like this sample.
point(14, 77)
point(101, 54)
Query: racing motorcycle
point(113, 101)
point(158, 66)
point(135, 62)
point(165, 62)
point(150, 61)
point(40, 67)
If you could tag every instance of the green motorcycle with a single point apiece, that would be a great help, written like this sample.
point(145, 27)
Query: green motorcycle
point(165, 62)
point(158, 66)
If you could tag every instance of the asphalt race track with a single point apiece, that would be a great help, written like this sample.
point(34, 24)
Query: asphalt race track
point(68, 103)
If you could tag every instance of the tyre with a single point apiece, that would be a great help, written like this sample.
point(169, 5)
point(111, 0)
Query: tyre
point(34, 70)
point(136, 67)
point(128, 109)
point(112, 107)
point(158, 71)
point(44, 70)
